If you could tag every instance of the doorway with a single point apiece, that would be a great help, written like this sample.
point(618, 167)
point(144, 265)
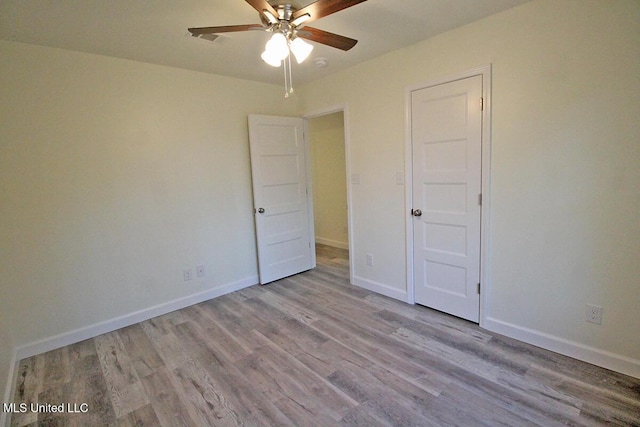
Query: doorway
point(328, 153)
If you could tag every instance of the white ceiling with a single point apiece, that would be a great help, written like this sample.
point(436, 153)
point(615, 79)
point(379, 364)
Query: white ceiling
point(155, 31)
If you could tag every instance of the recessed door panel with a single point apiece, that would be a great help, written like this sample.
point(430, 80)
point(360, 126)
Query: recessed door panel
point(446, 278)
point(449, 197)
point(450, 155)
point(280, 169)
point(445, 238)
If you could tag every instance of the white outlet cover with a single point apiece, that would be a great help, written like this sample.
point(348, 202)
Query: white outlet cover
point(201, 271)
point(593, 314)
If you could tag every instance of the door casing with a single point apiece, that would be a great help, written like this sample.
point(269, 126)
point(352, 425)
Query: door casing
point(485, 72)
point(322, 112)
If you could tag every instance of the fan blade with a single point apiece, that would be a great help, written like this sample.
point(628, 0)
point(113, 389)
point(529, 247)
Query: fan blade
point(224, 29)
point(321, 8)
point(261, 5)
point(325, 37)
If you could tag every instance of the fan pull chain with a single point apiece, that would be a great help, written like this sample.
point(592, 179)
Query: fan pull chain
point(288, 79)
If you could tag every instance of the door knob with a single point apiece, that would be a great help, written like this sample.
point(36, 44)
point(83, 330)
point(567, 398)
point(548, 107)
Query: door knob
point(260, 210)
point(416, 212)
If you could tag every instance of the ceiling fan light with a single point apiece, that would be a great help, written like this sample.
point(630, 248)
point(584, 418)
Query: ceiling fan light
point(277, 46)
point(300, 49)
point(270, 59)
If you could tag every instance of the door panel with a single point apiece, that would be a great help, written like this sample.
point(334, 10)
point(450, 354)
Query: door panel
point(446, 132)
point(279, 172)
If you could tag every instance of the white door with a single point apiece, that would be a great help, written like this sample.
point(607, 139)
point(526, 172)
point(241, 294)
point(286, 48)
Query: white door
point(283, 215)
point(446, 134)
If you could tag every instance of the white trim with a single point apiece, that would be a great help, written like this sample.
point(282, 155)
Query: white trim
point(485, 226)
point(347, 158)
point(595, 356)
point(408, 196)
point(325, 111)
point(331, 242)
point(81, 334)
point(485, 72)
point(5, 417)
point(309, 172)
point(380, 288)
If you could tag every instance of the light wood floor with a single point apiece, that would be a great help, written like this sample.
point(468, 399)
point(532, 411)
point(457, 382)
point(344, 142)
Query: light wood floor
point(312, 350)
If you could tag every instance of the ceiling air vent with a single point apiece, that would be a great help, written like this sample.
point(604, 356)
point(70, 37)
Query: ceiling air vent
point(210, 37)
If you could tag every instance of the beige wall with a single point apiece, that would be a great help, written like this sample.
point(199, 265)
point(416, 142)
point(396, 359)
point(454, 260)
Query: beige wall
point(326, 138)
point(115, 176)
point(565, 167)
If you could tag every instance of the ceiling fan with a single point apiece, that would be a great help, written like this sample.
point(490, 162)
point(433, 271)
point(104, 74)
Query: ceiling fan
point(288, 23)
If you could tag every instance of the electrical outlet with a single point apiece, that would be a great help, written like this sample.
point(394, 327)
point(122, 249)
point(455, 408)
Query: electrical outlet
point(594, 314)
point(200, 271)
point(187, 274)
point(370, 260)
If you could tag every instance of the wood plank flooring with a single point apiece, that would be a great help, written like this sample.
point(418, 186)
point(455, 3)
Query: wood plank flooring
point(311, 350)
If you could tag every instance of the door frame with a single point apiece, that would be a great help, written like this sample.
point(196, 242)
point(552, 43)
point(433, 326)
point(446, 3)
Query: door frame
point(347, 154)
point(485, 288)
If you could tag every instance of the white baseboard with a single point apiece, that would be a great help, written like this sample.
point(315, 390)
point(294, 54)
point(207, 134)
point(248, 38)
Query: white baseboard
point(380, 288)
point(111, 325)
point(595, 356)
point(334, 243)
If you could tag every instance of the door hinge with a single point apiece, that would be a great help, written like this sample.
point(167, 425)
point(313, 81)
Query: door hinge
point(480, 199)
point(481, 104)
point(478, 288)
